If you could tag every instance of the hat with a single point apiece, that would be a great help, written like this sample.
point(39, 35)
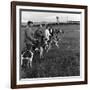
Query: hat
point(29, 22)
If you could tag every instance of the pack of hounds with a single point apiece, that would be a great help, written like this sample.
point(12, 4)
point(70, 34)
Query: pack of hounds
point(44, 41)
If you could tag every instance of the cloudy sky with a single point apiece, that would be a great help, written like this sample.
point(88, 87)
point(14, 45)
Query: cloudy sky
point(48, 16)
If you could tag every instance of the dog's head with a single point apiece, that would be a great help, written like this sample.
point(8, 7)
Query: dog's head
point(27, 54)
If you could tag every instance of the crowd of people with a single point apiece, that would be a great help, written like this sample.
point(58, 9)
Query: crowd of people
point(40, 39)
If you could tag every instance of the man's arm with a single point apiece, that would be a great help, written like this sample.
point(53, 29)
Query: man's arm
point(29, 35)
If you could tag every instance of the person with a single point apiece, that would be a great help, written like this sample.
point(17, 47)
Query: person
point(39, 34)
point(47, 34)
point(29, 35)
point(51, 31)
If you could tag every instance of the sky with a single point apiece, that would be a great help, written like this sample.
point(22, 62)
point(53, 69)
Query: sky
point(48, 16)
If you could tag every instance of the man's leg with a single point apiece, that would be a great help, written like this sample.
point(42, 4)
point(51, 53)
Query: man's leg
point(28, 46)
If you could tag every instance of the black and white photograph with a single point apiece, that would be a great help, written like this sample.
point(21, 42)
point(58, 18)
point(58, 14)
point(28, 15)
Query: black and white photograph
point(50, 44)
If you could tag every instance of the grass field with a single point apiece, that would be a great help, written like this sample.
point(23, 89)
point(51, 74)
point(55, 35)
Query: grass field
point(62, 61)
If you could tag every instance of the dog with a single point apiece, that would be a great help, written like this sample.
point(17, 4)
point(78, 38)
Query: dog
point(26, 58)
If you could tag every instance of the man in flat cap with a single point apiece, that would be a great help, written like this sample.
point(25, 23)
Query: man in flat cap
point(29, 35)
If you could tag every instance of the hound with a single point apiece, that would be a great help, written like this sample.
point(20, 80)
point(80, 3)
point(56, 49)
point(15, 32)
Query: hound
point(27, 55)
point(56, 36)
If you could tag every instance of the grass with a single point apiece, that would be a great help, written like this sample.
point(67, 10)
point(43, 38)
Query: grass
point(62, 61)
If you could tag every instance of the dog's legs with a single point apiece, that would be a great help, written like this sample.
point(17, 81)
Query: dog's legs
point(56, 43)
point(21, 60)
point(49, 47)
point(31, 60)
point(41, 52)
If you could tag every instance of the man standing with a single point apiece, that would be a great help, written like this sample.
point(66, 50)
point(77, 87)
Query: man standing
point(47, 34)
point(29, 35)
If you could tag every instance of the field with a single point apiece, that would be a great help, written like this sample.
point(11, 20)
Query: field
point(58, 62)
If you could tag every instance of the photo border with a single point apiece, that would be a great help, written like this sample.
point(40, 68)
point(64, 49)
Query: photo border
point(13, 43)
